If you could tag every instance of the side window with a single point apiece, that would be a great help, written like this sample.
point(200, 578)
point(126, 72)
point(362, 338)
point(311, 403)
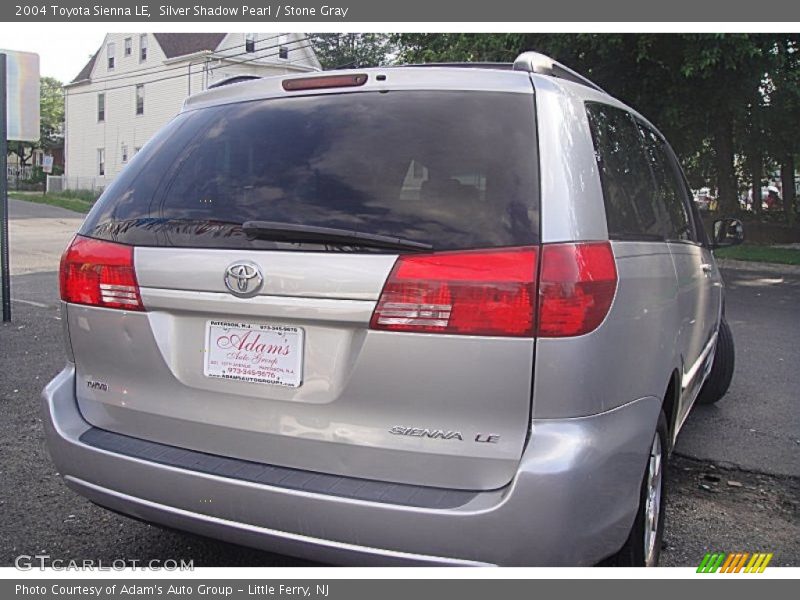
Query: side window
point(669, 189)
point(143, 47)
point(140, 99)
point(698, 233)
point(632, 210)
point(111, 50)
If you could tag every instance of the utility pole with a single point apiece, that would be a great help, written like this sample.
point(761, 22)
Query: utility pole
point(5, 272)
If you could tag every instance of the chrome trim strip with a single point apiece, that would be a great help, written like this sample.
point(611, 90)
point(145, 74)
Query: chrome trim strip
point(690, 375)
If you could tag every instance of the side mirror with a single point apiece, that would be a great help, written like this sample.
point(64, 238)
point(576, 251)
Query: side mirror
point(727, 232)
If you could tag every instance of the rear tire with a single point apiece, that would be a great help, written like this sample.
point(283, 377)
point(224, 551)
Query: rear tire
point(719, 379)
point(643, 546)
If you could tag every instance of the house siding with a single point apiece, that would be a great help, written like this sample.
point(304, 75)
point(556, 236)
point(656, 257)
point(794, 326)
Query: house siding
point(164, 94)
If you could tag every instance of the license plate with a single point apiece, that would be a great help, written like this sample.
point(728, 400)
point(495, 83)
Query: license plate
point(255, 353)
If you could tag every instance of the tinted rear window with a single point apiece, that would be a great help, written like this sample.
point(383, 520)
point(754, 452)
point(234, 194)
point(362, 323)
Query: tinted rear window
point(633, 210)
point(450, 169)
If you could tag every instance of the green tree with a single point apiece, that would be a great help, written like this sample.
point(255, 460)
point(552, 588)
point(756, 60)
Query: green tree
point(351, 50)
point(459, 47)
point(783, 111)
point(699, 89)
point(51, 107)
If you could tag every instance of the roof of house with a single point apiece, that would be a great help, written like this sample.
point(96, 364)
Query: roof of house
point(86, 71)
point(180, 44)
point(173, 45)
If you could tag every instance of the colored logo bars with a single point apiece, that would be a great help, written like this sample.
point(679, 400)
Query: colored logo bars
point(734, 562)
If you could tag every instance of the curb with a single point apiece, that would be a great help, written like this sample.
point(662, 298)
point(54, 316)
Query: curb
point(747, 265)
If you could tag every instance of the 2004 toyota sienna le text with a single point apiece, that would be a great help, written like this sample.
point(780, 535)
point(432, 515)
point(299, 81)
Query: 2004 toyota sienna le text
point(438, 315)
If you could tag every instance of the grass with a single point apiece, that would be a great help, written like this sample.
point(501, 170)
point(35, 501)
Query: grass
point(77, 200)
point(768, 254)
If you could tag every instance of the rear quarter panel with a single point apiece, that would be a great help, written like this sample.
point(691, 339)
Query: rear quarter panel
point(630, 356)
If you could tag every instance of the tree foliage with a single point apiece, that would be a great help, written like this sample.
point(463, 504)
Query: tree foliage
point(351, 50)
point(51, 107)
point(715, 96)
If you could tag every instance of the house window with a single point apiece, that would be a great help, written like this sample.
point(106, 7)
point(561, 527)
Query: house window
point(250, 42)
point(111, 49)
point(101, 108)
point(124, 154)
point(143, 47)
point(128, 46)
point(101, 161)
point(283, 51)
point(140, 99)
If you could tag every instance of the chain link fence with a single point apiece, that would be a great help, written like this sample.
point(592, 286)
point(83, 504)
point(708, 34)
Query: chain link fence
point(20, 177)
point(60, 183)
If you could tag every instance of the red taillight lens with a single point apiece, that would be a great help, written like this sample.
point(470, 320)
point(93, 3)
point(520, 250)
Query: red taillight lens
point(577, 283)
point(99, 273)
point(486, 292)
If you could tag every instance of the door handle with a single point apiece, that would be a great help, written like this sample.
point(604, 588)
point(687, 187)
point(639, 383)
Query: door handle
point(706, 268)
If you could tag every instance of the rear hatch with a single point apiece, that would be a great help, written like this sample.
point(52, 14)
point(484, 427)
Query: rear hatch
point(339, 283)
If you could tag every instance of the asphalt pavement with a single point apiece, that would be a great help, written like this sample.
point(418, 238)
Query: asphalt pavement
point(734, 480)
point(756, 426)
point(38, 234)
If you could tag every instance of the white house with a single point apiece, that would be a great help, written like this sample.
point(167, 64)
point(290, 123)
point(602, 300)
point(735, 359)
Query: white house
point(136, 82)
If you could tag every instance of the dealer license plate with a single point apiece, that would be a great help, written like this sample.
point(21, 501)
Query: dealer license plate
point(255, 353)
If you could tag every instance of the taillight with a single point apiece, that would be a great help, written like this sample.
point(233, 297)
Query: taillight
point(484, 292)
point(491, 292)
point(577, 283)
point(99, 273)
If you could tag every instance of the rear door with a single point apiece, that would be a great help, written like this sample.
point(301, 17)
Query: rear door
point(261, 348)
point(699, 281)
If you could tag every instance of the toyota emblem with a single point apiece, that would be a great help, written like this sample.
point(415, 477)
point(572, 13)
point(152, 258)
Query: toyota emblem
point(243, 279)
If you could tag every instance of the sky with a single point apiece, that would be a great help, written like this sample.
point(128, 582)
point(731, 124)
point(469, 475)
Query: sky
point(61, 54)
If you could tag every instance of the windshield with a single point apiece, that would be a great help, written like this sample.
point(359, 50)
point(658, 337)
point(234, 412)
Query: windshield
point(450, 169)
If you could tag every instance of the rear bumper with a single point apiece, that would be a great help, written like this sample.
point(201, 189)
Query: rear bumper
point(572, 501)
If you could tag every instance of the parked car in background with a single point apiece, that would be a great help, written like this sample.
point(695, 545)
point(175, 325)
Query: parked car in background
point(347, 316)
point(704, 200)
point(770, 198)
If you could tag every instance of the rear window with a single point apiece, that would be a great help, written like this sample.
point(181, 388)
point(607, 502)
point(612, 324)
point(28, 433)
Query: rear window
point(633, 209)
point(451, 169)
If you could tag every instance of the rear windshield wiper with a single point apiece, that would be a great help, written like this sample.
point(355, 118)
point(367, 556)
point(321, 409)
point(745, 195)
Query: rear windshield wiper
point(292, 232)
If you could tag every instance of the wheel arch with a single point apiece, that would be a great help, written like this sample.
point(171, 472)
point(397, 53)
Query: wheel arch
point(670, 405)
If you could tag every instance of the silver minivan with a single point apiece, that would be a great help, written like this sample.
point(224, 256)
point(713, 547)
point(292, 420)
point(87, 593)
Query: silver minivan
point(409, 315)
